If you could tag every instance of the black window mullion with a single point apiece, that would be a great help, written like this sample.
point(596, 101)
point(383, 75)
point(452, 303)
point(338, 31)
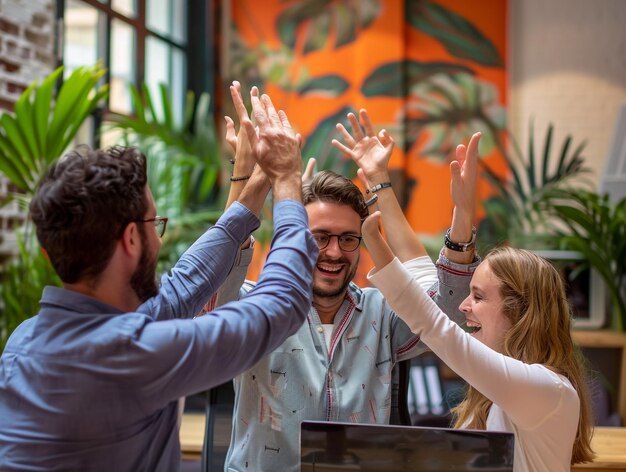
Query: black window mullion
point(141, 30)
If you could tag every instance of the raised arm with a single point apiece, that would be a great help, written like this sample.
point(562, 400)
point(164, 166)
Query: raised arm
point(372, 153)
point(463, 172)
point(510, 383)
point(243, 162)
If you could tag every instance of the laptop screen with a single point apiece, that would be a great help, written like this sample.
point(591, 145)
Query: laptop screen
point(331, 446)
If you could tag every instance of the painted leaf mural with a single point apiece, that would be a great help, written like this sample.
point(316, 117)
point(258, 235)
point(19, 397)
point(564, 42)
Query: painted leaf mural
point(328, 85)
point(458, 35)
point(394, 78)
point(316, 19)
point(431, 72)
point(449, 109)
point(318, 145)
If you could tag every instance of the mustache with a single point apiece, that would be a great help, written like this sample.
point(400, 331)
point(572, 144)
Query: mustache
point(340, 260)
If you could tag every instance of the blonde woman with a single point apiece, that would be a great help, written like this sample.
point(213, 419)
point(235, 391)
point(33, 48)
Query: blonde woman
point(518, 358)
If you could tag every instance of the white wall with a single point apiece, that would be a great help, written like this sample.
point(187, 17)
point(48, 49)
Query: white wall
point(567, 63)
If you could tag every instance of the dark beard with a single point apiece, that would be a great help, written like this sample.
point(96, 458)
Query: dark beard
point(143, 281)
point(341, 290)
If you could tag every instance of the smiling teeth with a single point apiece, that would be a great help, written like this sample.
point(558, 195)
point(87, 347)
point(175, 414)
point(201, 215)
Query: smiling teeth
point(471, 326)
point(328, 268)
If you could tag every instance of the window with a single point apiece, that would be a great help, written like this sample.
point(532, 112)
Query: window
point(138, 41)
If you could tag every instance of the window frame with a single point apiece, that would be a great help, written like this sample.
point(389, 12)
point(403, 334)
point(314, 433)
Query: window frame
point(198, 49)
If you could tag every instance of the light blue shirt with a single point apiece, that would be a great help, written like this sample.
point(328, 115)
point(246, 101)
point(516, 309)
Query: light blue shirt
point(350, 382)
point(86, 387)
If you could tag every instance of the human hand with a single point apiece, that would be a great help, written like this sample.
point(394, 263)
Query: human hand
point(369, 151)
point(238, 140)
point(275, 146)
point(377, 247)
point(464, 172)
point(309, 171)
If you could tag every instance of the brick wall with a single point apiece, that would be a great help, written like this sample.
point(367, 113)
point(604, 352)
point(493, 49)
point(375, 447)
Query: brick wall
point(26, 54)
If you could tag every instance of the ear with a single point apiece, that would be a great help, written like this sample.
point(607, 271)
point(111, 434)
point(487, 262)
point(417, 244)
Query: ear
point(130, 242)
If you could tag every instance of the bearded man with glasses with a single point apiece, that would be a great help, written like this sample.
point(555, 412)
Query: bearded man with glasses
point(338, 366)
point(92, 381)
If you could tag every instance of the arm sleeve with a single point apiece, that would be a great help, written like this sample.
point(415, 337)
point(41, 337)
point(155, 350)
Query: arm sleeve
point(232, 289)
point(509, 383)
point(186, 356)
point(202, 268)
point(447, 283)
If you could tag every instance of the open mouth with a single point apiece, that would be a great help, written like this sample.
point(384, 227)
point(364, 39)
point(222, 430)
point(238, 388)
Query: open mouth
point(471, 327)
point(331, 269)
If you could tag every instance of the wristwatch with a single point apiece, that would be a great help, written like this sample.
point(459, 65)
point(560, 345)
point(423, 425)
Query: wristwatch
point(459, 247)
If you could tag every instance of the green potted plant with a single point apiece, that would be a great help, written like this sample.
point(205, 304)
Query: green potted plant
point(42, 127)
point(519, 213)
point(597, 229)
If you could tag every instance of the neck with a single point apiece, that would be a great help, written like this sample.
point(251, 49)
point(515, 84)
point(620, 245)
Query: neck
point(113, 294)
point(327, 307)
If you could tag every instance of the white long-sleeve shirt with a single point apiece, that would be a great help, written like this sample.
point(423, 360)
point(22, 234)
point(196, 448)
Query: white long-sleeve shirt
point(539, 406)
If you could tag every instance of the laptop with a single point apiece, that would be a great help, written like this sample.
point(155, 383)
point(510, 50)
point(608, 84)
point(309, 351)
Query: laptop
point(334, 446)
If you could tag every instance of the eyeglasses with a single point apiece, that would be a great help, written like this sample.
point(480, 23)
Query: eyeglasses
point(347, 242)
point(160, 223)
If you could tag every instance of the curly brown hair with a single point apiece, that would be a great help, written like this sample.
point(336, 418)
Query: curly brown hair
point(82, 205)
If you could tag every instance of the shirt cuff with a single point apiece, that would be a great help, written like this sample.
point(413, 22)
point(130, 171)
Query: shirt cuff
point(390, 279)
point(288, 210)
point(453, 274)
point(238, 221)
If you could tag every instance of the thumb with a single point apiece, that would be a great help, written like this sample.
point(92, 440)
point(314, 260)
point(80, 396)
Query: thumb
point(370, 229)
point(309, 170)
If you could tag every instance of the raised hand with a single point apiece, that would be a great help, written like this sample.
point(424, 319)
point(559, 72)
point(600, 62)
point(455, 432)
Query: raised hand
point(369, 151)
point(463, 174)
point(463, 177)
point(238, 140)
point(377, 247)
point(275, 146)
point(372, 153)
point(309, 171)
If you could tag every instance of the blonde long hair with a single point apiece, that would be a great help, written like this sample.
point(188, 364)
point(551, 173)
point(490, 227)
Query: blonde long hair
point(534, 300)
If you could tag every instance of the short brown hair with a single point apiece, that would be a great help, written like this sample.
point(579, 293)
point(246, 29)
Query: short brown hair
point(327, 186)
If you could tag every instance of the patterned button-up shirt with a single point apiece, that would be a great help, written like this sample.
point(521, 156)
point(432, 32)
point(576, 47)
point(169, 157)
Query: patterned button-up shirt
point(350, 382)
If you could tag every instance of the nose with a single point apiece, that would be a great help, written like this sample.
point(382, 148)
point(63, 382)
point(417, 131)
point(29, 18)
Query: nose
point(464, 307)
point(333, 248)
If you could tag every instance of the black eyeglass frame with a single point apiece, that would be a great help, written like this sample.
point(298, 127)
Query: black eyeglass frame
point(160, 224)
point(338, 236)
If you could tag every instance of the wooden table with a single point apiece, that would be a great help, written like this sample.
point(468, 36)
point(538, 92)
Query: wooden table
point(192, 436)
point(608, 443)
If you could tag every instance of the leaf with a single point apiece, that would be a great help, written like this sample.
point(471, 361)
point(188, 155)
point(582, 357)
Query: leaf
point(43, 104)
point(167, 107)
point(318, 144)
point(25, 123)
point(72, 101)
point(460, 37)
point(316, 18)
point(12, 166)
point(18, 146)
point(394, 79)
point(317, 33)
point(326, 86)
point(345, 24)
point(289, 20)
